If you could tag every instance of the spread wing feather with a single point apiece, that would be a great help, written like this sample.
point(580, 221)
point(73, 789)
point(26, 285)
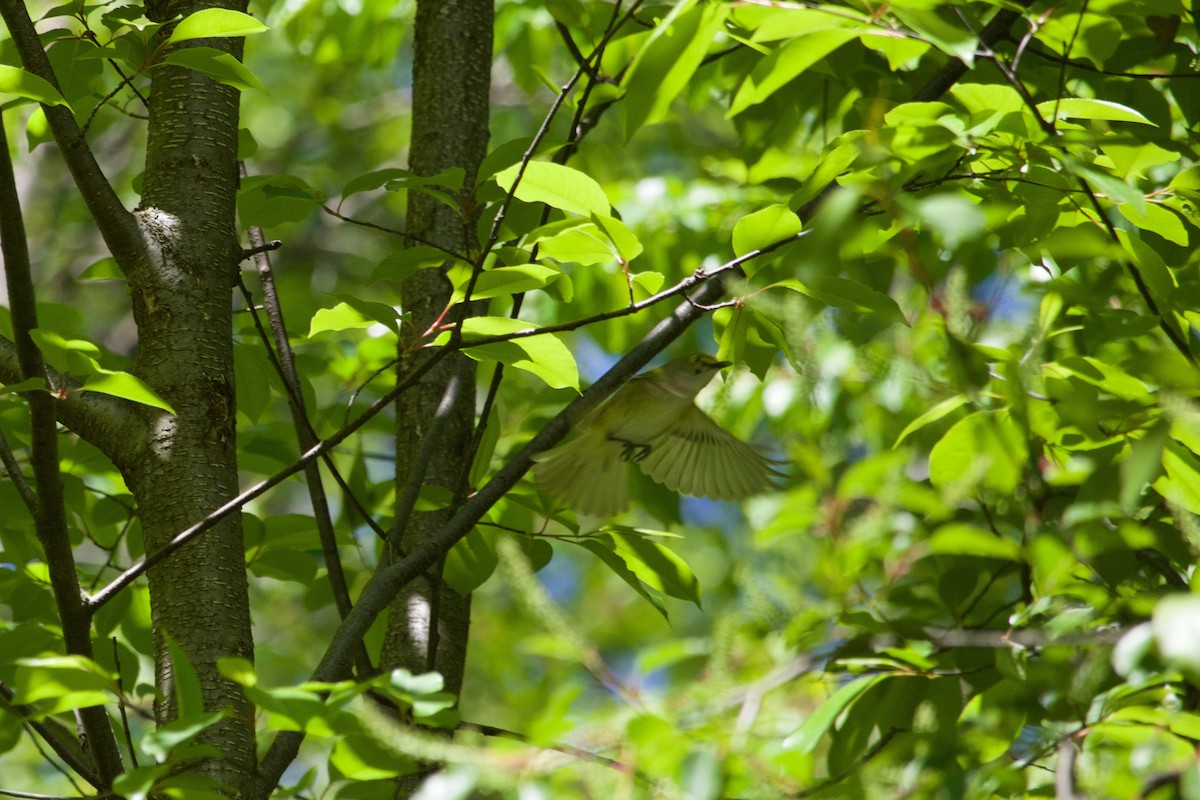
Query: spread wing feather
point(696, 456)
point(587, 473)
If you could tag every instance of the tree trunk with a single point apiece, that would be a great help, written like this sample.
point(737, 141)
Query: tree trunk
point(428, 624)
point(181, 303)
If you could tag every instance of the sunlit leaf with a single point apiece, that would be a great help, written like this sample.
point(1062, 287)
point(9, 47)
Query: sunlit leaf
point(210, 22)
point(14, 81)
point(216, 64)
point(557, 186)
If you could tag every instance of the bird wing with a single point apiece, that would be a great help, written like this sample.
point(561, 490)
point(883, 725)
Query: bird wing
point(698, 457)
point(587, 473)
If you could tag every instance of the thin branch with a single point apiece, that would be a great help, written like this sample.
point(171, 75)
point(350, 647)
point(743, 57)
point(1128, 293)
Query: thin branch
point(566, 749)
point(116, 224)
point(694, 280)
point(257, 490)
point(430, 441)
point(13, 469)
point(37, 796)
point(527, 157)
point(584, 121)
point(296, 402)
point(284, 361)
point(1062, 69)
point(1116, 73)
point(1064, 772)
point(62, 741)
point(50, 517)
point(121, 706)
point(872, 752)
point(954, 69)
point(386, 583)
point(113, 425)
point(337, 214)
point(1047, 126)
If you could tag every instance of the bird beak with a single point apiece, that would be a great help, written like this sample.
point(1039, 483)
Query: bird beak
point(722, 364)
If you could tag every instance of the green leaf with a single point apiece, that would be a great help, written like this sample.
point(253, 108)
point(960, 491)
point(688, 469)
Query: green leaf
point(31, 385)
point(768, 226)
point(953, 217)
point(26, 84)
point(574, 241)
point(1181, 483)
point(373, 180)
point(983, 449)
point(657, 566)
point(545, 355)
point(987, 104)
point(505, 281)
point(1103, 375)
point(663, 68)
point(1113, 188)
point(947, 406)
point(809, 735)
point(954, 39)
point(444, 186)
point(1159, 219)
point(62, 683)
point(608, 556)
point(105, 269)
point(165, 738)
point(188, 693)
point(1143, 464)
point(345, 316)
point(901, 53)
point(270, 200)
point(412, 685)
point(784, 65)
point(557, 186)
point(216, 64)
point(362, 758)
point(1176, 627)
point(73, 356)
point(848, 294)
point(1085, 108)
point(470, 562)
point(215, 22)
point(137, 783)
point(397, 266)
point(627, 244)
point(252, 373)
point(126, 386)
point(959, 538)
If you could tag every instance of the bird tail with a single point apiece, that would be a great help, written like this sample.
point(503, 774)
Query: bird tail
point(586, 473)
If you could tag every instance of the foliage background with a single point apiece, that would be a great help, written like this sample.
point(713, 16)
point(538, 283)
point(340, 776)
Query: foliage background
point(975, 580)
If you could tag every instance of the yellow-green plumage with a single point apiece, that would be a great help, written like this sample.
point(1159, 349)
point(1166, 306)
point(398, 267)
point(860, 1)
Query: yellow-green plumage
point(652, 421)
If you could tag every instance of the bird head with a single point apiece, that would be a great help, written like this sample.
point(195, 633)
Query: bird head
point(689, 374)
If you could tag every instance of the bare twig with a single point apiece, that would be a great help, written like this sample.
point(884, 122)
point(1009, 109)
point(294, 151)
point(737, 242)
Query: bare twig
point(13, 470)
point(50, 516)
point(233, 505)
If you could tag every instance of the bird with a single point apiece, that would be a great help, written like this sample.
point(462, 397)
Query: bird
point(652, 421)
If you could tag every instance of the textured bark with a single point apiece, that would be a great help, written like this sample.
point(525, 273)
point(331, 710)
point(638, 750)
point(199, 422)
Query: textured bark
point(182, 305)
point(452, 61)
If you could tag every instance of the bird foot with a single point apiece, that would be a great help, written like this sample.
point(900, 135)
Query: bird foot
point(632, 451)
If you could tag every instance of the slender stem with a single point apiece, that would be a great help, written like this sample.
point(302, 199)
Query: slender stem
point(257, 490)
point(116, 224)
point(13, 469)
point(50, 516)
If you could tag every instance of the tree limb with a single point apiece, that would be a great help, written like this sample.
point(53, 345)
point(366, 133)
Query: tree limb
point(50, 516)
point(116, 224)
point(387, 583)
point(113, 425)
